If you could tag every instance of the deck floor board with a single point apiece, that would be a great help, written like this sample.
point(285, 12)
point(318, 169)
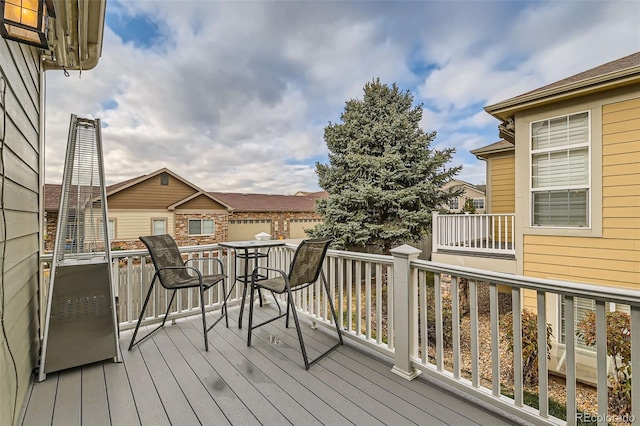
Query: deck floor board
point(170, 379)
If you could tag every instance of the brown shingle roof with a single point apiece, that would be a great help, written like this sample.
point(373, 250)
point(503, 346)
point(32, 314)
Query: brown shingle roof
point(601, 70)
point(268, 202)
point(237, 201)
point(499, 146)
point(622, 71)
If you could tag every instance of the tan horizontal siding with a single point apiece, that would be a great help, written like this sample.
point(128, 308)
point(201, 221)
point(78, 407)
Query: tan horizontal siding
point(620, 201)
point(621, 126)
point(150, 194)
point(130, 225)
point(619, 106)
point(502, 184)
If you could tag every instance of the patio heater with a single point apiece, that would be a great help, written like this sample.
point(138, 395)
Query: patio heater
point(81, 324)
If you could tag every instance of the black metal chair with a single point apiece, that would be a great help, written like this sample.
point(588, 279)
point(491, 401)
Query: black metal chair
point(304, 271)
point(173, 273)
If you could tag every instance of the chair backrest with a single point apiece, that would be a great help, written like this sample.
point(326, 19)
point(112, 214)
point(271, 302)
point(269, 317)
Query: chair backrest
point(307, 261)
point(164, 253)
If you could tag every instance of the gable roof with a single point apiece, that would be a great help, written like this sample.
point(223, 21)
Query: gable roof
point(243, 202)
point(621, 72)
point(131, 182)
point(494, 148)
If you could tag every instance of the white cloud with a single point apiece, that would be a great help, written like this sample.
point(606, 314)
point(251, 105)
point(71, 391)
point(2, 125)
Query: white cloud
point(235, 95)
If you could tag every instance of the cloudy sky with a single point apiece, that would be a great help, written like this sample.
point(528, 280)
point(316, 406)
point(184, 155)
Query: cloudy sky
point(234, 95)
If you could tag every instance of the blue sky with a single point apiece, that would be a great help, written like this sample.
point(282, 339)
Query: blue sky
point(234, 95)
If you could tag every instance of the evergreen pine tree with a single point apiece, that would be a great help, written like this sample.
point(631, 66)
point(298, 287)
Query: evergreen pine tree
point(382, 178)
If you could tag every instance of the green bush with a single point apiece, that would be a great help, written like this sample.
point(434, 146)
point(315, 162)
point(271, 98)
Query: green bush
point(619, 348)
point(529, 344)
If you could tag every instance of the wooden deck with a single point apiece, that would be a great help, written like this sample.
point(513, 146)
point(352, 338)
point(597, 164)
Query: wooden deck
point(170, 379)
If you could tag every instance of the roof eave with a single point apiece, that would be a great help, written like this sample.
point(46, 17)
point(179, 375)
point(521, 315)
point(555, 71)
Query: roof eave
point(77, 36)
point(506, 109)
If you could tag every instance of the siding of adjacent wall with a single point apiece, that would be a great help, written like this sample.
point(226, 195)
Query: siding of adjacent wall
point(20, 68)
point(613, 259)
point(503, 188)
point(132, 224)
point(150, 194)
point(201, 202)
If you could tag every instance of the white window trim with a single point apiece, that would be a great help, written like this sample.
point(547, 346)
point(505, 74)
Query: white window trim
point(201, 234)
point(479, 199)
point(589, 146)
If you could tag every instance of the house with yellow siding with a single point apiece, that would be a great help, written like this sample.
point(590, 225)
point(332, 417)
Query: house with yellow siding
point(568, 169)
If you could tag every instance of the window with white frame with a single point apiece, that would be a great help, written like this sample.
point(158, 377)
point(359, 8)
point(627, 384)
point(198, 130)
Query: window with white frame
point(453, 203)
point(158, 226)
point(581, 307)
point(478, 203)
point(201, 227)
point(560, 172)
point(111, 229)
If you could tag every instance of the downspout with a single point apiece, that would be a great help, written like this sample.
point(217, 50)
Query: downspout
point(41, 178)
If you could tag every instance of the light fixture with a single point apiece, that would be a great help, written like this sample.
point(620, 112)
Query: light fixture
point(26, 21)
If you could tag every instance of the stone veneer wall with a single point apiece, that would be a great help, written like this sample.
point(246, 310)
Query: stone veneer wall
point(181, 229)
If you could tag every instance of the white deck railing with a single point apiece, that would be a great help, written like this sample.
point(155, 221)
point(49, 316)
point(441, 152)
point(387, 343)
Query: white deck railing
point(480, 233)
point(381, 302)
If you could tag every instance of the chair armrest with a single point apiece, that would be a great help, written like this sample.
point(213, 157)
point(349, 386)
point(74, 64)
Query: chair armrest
point(181, 267)
point(205, 259)
point(257, 269)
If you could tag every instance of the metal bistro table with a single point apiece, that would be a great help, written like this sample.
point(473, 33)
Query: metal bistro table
point(247, 251)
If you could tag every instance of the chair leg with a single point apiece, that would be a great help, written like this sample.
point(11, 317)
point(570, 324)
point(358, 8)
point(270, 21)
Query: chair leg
point(333, 309)
point(286, 321)
point(297, 323)
point(204, 319)
point(144, 307)
point(250, 328)
point(224, 304)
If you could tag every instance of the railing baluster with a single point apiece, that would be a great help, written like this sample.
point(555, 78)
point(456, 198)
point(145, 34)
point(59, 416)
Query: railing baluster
point(349, 276)
point(358, 284)
point(475, 352)
point(390, 316)
point(516, 309)
point(340, 285)
point(455, 326)
point(601, 362)
point(378, 303)
point(424, 343)
point(367, 307)
point(495, 339)
point(543, 375)
point(635, 360)
point(439, 333)
point(570, 348)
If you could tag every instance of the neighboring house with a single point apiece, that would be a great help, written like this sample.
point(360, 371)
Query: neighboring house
point(163, 202)
point(22, 70)
point(569, 168)
point(281, 216)
point(470, 191)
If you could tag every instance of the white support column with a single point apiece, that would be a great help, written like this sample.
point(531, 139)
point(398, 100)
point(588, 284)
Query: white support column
point(405, 311)
point(435, 236)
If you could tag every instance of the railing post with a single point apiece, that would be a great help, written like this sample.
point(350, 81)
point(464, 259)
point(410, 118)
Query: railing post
point(405, 310)
point(435, 237)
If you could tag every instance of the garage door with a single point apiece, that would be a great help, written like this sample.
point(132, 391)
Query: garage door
point(297, 227)
point(246, 229)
